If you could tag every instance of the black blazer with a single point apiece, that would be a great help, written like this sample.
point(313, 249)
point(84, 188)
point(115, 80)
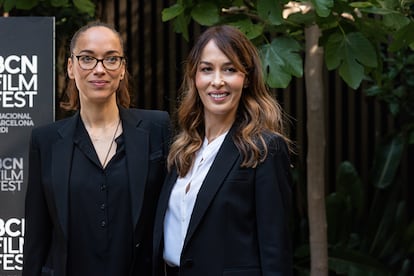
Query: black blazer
point(239, 224)
point(146, 134)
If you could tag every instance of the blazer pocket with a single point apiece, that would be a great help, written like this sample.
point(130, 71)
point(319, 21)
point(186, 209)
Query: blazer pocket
point(47, 271)
point(240, 175)
point(156, 155)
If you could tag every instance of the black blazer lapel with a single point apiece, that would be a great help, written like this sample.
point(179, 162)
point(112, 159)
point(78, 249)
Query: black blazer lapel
point(137, 153)
point(225, 160)
point(62, 152)
point(162, 207)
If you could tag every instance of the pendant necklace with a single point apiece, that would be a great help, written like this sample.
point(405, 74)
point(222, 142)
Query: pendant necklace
point(110, 146)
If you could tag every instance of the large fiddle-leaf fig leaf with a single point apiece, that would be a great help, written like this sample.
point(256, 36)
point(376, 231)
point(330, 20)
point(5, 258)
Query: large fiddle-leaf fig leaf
point(281, 60)
point(387, 160)
point(350, 52)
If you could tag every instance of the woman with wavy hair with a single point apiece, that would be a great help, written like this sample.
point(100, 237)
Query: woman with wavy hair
point(224, 207)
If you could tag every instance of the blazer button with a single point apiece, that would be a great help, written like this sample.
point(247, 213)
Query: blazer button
point(188, 263)
point(137, 245)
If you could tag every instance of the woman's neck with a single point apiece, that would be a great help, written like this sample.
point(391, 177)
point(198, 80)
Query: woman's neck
point(99, 117)
point(214, 129)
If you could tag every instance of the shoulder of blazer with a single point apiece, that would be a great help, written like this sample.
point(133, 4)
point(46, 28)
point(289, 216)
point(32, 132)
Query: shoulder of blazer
point(274, 141)
point(57, 129)
point(145, 115)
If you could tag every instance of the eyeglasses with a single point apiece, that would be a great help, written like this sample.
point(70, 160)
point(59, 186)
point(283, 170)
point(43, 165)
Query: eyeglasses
point(109, 63)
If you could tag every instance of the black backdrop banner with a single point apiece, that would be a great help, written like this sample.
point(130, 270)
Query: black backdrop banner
point(27, 87)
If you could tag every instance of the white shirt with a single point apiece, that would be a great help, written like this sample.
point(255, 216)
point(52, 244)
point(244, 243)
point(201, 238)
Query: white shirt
point(181, 203)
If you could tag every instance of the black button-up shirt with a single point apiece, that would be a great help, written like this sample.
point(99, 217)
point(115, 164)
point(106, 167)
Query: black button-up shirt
point(100, 220)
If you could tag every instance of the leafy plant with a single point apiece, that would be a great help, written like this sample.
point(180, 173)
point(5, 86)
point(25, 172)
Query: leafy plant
point(352, 30)
point(69, 15)
point(82, 6)
point(370, 231)
point(369, 239)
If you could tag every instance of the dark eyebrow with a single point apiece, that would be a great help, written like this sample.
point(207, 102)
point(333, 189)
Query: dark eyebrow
point(204, 62)
point(209, 63)
point(90, 52)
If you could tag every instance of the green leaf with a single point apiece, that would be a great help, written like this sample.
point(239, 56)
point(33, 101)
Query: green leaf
point(405, 267)
point(349, 185)
point(181, 25)
point(394, 108)
point(385, 231)
point(171, 12)
point(382, 8)
point(403, 37)
point(361, 5)
point(374, 90)
point(281, 60)
point(302, 19)
point(352, 263)
point(377, 11)
point(86, 6)
point(323, 7)
point(396, 231)
point(336, 208)
point(270, 11)
point(386, 163)
point(8, 5)
point(248, 28)
point(411, 137)
point(59, 3)
point(21, 4)
point(205, 13)
point(395, 21)
point(350, 52)
point(409, 237)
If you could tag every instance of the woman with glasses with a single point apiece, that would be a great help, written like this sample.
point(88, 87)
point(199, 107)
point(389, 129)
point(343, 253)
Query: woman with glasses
point(94, 178)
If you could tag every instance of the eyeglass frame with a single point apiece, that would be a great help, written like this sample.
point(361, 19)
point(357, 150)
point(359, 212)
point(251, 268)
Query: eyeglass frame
point(122, 58)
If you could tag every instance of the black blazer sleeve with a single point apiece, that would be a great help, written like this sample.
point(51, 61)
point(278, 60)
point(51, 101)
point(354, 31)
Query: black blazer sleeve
point(273, 203)
point(38, 232)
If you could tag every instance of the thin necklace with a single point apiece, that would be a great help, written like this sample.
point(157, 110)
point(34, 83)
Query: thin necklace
point(110, 146)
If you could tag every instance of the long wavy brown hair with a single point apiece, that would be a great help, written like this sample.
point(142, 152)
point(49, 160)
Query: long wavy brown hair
point(258, 112)
point(72, 94)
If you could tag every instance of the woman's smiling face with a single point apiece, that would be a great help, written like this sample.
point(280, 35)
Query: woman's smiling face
point(218, 82)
